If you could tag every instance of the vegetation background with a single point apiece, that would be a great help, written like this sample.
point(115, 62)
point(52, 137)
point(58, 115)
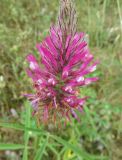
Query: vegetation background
point(99, 135)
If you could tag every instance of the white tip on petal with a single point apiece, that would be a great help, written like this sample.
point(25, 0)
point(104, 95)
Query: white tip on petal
point(33, 66)
point(80, 79)
point(93, 69)
point(87, 82)
point(68, 88)
point(65, 74)
point(49, 94)
point(39, 81)
point(81, 103)
point(51, 81)
point(68, 100)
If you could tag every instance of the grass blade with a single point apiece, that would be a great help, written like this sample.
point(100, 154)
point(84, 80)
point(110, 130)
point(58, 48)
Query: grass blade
point(41, 150)
point(27, 124)
point(4, 146)
point(12, 126)
point(22, 128)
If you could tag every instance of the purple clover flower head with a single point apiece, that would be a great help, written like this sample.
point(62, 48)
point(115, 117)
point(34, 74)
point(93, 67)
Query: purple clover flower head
point(65, 62)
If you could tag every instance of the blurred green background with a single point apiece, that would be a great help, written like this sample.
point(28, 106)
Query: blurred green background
point(99, 135)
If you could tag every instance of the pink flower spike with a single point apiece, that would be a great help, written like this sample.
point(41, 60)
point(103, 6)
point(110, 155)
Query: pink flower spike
point(66, 66)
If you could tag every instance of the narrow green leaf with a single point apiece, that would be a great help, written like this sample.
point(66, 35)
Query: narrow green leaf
point(41, 150)
point(27, 124)
point(12, 126)
point(52, 149)
point(22, 128)
point(4, 146)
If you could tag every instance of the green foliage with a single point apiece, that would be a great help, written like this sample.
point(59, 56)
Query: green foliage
point(5, 146)
point(98, 136)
